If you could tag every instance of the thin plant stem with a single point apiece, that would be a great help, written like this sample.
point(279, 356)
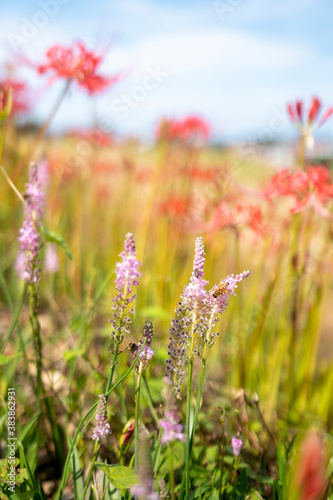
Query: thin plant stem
point(136, 428)
point(171, 474)
point(149, 399)
point(188, 407)
point(222, 457)
point(33, 300)
point(116, 352)
point(302, 147)
point(91, 468)
point(202, 376)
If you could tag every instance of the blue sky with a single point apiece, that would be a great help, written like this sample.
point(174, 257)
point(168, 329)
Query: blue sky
point(236, 62)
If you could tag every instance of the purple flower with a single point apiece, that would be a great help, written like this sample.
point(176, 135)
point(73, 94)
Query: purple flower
point(29, 238)
point(194, 299)
point(102, 428)
point(146, 353)
point(195, 294)
point(127, 276)
point(236, 446)
point(172, 429)
point(197, 314)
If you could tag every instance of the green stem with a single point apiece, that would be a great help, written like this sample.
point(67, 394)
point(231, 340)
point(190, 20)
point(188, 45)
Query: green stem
point(222, 457)
point(149, 400)
point(302, 142)
point(33, 300)
point(171, 475)
point(202, 374)
point(89, 412)
point(91, 468)
point(188, 408)
point(116, 352)
point(136, 429)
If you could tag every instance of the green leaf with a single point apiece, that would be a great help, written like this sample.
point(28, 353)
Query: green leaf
point(120, 477)
point(214, 495)
point(28, 428)
point(239, 490)
point(54, 237)
point(282, 466)
point(77, 475)
point(75, 353)
point(4, 360)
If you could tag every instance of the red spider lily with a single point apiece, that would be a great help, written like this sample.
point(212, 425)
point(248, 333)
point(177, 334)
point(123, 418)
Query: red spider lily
point(201, 174)
point(76, 63)
point(310, 472)
point(238, 216)
point(20, 101)
point(312, 187)
point(297, 115)
point(188, 129)
point(175, 207)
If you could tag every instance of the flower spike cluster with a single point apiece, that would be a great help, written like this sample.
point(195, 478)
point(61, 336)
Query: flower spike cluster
point(198, 312)
point(102, 428)
point(127, 276)
point(195, 297)
point(29, 238)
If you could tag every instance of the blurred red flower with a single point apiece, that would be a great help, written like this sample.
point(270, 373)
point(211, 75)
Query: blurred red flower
point(239, 216)
point(312, 187)
point(297, 115)
point(19, 88)
point(310, 472)
point(175, 206)
point(95, 136)
point(189, 129)
point(76, 63)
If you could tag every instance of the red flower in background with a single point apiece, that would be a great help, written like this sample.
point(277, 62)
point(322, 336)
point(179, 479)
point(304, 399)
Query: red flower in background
point(299, 118)
point(20, 100)
point(313, 188)
point(238, 216)
point(175, 206)
point(311, 468)
point(76, 63)
point(95, 136)
point(189, 129)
